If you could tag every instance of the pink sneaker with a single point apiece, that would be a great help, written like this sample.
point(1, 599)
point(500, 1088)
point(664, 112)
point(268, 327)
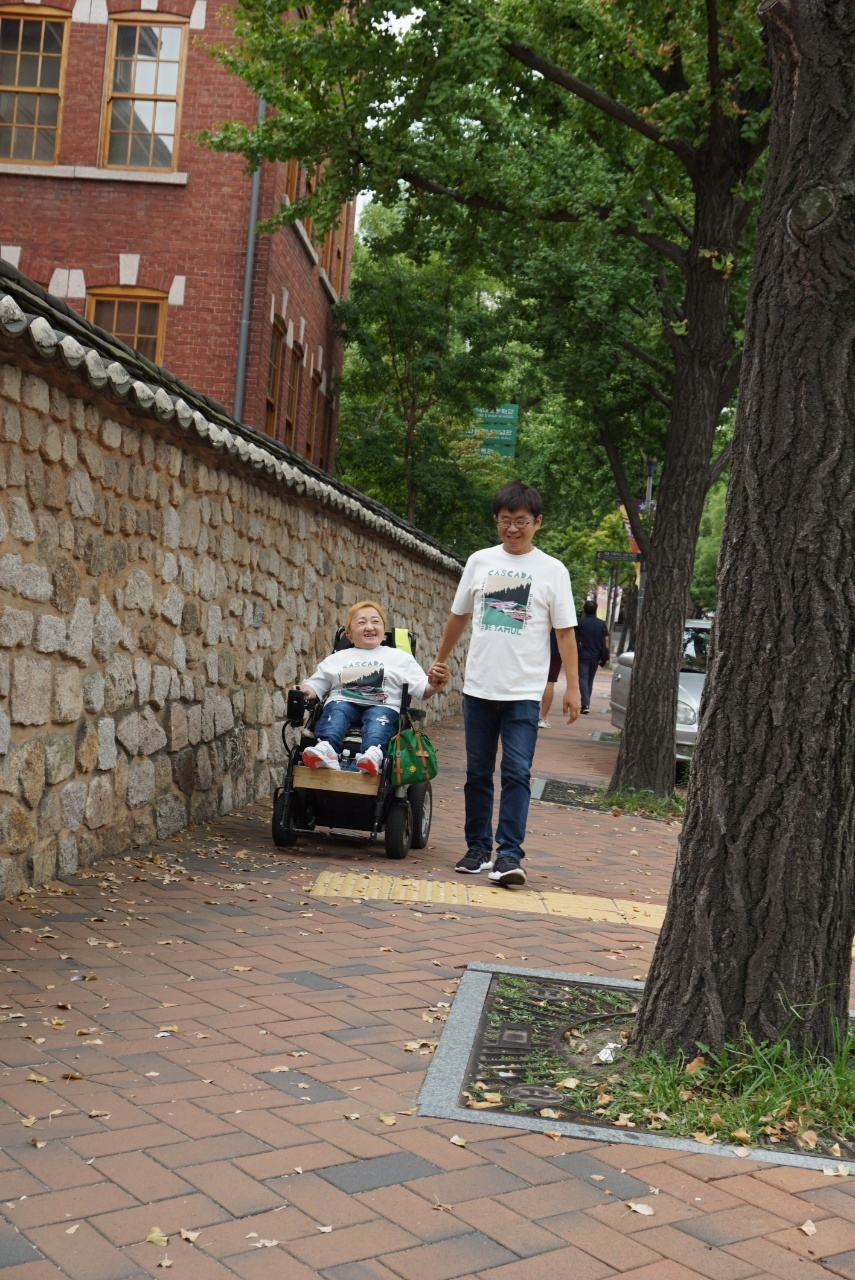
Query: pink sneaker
point(370, 761)
point(321, 756)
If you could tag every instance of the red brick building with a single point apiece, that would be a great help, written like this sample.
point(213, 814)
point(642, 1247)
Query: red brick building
point(107, 200)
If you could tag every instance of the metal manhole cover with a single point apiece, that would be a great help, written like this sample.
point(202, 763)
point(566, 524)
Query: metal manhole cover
point(535, 1095)
point(551, 993)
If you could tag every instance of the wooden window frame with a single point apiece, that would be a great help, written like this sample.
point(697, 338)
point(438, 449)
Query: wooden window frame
point(40, 13)
point(148, 19)
point(128, 293)
point(275, 371)
point(292, 394)
point(325, 457)
point(312, 432)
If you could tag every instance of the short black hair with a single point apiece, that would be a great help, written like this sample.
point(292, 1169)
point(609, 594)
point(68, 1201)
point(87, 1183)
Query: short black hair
point(515, 495)
point(590, 607)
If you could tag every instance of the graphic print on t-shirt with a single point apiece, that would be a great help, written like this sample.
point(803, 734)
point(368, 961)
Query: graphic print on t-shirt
point(506, 599)
point(363, 681)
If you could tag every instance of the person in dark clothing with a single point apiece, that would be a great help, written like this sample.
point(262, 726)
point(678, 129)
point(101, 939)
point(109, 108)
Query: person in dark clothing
point(592, 638)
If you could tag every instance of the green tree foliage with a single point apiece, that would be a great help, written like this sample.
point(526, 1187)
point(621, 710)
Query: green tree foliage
point(704, 589)
point(425, 345)
point(605, 155)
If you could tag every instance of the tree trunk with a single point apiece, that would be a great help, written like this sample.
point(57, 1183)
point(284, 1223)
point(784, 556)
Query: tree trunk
point(758, 932)
point(646, 755)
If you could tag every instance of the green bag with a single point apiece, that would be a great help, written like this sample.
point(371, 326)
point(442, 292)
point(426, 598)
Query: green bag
point(413, 757)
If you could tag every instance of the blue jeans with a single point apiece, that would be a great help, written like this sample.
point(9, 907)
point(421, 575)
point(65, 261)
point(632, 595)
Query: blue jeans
point(587, 671)
point(486, 723)
point(378, 724)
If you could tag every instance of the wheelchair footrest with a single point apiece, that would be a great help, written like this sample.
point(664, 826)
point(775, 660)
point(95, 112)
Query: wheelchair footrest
point(354, 781)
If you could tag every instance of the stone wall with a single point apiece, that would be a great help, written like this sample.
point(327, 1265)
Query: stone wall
point(157, 598)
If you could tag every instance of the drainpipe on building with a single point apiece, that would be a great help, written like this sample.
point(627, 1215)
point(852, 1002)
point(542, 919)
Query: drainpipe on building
point(246, 303)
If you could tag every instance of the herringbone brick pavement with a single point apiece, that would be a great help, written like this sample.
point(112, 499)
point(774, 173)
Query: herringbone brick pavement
point(192, 1043)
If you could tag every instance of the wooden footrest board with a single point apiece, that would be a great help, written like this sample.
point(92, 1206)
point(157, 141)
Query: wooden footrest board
point(358, 783)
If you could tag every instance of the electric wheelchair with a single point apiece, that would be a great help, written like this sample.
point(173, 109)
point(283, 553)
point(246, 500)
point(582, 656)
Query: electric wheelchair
point(349, 803)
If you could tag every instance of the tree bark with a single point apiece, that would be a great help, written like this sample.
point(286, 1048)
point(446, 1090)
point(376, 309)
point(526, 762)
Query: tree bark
point(646, 753)
point(759, 926)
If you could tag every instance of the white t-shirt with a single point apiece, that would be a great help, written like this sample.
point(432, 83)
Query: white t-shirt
point(514, 600)
point(369, 677)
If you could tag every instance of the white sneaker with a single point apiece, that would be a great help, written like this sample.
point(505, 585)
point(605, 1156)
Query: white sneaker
point(370, 761)
point(542, 724)
point(321, 756)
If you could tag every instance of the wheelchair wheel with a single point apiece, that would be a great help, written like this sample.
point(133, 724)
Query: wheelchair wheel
point(284, 822)
point(398, 835)
point(421, 803)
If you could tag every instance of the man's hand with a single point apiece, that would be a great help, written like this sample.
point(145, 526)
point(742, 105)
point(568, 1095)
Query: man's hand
point(572, 704)
point(439, 675)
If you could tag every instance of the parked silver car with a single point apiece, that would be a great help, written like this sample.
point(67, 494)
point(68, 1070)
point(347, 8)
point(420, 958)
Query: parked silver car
point(693, 666)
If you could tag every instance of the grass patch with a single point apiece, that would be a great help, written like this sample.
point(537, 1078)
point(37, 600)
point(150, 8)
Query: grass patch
point(750, 1094)
point(645, 803)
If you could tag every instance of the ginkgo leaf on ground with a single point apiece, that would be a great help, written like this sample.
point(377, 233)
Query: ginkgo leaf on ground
point(156, 1236)
point(643, 1209)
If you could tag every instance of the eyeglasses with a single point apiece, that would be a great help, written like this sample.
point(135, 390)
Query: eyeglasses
point(504, 522)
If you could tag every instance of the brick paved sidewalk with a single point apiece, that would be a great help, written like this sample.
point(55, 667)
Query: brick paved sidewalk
point(153, 1006)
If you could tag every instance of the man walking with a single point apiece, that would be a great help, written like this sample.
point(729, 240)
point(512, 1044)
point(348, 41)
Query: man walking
point(592, 641)
point(513, 594)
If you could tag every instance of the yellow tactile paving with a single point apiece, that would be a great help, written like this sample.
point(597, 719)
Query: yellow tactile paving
point(373, 887)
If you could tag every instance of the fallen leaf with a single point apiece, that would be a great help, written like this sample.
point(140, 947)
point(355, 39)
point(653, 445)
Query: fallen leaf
point(164, 1262)
point(704, 1138)
point(549, 1114)
point(296, 1053)
point(28, 1121)
point(386, 1119)
point(808, 1228)
point(36, 1142)
point(551, 1133)
point(87, 1031)
point(457, 1141)
point(835, 1149)
point(807, 1139)
point(325, 1230)
point(173, 1027)
point(242, 968)
point(99, 1115)
point(597, 1177)
point(443, 1208)
point(692, 1067)
point(274, 1071)
point(264, 1244)
point(43, 1080)
point(71, 1230)
point(352, 1115)
point(192, 1236)
point(481, 1106)
point(72, 1075)
point(644, 1209)
point(156, 1236)
point(741, 1136)
point(570, 1083)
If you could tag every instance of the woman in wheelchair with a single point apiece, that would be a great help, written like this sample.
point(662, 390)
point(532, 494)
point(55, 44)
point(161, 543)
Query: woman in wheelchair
point(363, 686)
